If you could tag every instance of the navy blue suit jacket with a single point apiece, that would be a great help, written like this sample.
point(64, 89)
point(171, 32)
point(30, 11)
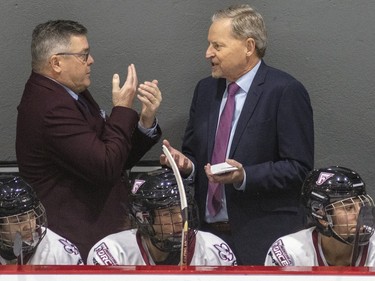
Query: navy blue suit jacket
point(274, 141)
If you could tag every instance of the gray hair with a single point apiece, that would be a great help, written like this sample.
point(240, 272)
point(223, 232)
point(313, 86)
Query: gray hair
point(50, 38)
point(246, 23)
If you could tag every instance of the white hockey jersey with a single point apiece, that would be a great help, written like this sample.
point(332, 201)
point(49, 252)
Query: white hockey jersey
point(53, 250)
point(303, 248)
point(128, 248)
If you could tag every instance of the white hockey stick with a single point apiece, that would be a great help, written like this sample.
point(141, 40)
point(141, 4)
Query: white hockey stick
point(184, 207)
point(17, 248)
point(365, 226)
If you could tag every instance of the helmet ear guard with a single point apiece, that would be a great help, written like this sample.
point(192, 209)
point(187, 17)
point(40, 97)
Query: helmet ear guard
point(317, 203)
point(323, 222)
point(143, 217)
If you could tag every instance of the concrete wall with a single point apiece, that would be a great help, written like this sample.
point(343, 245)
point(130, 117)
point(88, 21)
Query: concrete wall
point(326, 44)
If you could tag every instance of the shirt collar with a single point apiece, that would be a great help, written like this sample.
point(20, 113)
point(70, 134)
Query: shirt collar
point(246, 80)
point(70, 92)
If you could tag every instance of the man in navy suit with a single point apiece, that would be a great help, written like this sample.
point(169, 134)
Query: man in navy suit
point(68, 149)
point(271, 140)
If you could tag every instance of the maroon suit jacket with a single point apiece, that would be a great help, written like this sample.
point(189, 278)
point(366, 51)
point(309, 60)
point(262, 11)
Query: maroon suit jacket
point(76, 161)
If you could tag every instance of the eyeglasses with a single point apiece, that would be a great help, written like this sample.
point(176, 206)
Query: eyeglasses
point(83, 56)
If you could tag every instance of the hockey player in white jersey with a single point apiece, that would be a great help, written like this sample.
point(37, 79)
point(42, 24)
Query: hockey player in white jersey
point(155, 208)
point(342, 217)
point(24, 237)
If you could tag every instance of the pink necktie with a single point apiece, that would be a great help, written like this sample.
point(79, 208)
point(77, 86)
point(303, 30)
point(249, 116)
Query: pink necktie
point(220, 148)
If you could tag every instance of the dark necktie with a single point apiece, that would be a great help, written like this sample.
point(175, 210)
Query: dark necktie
point(83, 102)
point(214, 202)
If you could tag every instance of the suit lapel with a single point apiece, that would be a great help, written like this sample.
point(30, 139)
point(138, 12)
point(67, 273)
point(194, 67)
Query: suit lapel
point(59, 89)
point(249, 106)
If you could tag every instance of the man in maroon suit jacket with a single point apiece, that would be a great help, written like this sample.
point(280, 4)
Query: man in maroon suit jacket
point(68, 149)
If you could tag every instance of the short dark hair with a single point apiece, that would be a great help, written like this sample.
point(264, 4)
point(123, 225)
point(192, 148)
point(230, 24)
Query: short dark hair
point(51, 37)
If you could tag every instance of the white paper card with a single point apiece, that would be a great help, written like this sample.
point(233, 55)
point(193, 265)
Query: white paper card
point(222, 168)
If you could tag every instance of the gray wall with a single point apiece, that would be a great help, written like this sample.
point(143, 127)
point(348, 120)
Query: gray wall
point(327, 45)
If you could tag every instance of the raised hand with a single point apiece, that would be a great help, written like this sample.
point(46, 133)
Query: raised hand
point(150, 97)
point(124, 96)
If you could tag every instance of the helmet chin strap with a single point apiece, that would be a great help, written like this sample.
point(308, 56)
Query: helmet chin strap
point(349, 240)
point(168, 245)
point(12, 253)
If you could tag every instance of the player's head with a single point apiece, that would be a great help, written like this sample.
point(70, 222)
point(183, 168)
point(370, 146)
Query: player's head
point(21, 215)
point(155, 207)
point(333, 197)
